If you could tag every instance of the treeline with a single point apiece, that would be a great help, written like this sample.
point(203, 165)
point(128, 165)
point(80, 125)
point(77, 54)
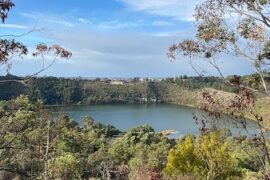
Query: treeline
point(35, 144)
point(63, 91)
point(197, 82)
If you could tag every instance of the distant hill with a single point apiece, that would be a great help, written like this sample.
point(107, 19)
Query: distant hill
point(63, 91)
point(181, 91)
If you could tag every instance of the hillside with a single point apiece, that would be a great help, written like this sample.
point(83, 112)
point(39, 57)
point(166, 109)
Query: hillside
point(184, 90)
point(64, 91)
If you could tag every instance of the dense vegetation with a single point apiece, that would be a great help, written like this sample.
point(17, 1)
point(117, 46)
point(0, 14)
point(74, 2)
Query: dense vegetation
point(52, 90)
point(35, 144)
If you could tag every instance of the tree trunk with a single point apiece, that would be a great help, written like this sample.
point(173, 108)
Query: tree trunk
point(47, 151)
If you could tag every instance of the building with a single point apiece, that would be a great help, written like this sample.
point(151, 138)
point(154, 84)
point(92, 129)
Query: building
point(115, 82)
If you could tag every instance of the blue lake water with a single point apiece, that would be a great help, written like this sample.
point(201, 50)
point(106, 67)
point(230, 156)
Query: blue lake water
point(159, 116)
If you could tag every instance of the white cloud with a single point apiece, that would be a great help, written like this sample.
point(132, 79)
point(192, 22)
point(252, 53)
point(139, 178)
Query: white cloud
point(61, 22)
point(13, 26)
point(177, 9)
point(113, 24)
point(116, 24)
point(83, 20)
point(162, 23)
point(30, 15)
point(51, 19)
point(162, 34)
point(107, 54)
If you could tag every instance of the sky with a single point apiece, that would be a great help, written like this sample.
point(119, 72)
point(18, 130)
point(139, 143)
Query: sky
point(109, 38)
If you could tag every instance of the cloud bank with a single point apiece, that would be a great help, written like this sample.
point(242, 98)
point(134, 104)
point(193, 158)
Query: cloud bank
point(178, 9)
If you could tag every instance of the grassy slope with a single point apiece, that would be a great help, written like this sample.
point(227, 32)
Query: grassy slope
point(193, 98)
point(263, 107)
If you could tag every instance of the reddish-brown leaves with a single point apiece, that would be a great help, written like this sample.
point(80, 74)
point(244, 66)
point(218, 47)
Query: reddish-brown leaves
point(10, 48)
point(56, 50)
point(187, 47)
point(235, 80)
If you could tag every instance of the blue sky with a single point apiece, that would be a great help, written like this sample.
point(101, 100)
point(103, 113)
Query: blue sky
point(109, 38)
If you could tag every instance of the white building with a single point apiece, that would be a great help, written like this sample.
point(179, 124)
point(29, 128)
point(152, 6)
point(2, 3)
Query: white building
point(117, 82)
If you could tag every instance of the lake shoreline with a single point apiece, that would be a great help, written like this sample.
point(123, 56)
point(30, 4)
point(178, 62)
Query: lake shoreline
point(174, 104)
point(161, 117)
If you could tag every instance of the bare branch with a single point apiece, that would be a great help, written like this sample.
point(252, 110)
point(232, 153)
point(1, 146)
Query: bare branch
point(21, 35)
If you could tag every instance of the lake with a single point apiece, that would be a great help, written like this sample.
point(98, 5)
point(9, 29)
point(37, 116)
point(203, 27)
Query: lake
point(159, 116)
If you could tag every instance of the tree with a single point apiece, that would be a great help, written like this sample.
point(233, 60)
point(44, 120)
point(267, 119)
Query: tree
point(16, 122)
point(22, 137)
point(5, 6)
point(238, 28)
point(143, 150)
point(209, 156)
point(65, 167)
point(11, 48)
point(230, 27)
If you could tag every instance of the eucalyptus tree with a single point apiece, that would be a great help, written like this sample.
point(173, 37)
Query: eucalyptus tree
point(232, 28)
point(238, 28)
point(16, 122)
point(11, 48)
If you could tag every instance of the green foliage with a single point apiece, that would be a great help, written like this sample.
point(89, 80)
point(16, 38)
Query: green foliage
point(74, 152)
point(65, 167)
point(208, 157)
point(103, 152)
point(52, 90)
point(148, 160)
point(9, 90)
point(20, 131)
point(55, 91)
point(142, 149)
point(182, 159)
point(23, 141)
point(108, 131)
